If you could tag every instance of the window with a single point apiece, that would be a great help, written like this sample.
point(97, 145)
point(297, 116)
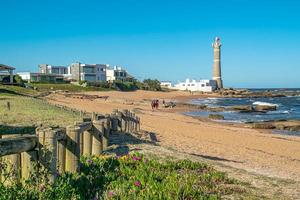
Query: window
point(88, 69)
point(193, 84)
point(207, 84)
point(188, 85)
point(183, 84)
point(202, 85)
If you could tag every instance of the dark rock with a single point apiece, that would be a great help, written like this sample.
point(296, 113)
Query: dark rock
point(265, 107)
point(216, 109)
point(246, 108)
point(294, 128)
point(216, 116)
point(263, 125)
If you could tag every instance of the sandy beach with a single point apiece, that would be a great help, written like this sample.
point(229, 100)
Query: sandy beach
point(255, 151)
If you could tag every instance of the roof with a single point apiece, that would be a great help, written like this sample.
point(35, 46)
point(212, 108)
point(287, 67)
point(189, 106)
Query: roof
point(5, 67)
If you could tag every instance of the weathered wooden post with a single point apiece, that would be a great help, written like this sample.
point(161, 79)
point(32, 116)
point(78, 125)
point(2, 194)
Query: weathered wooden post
point(14, 163)
point(61, 155)
point(80, 139)
point(135, 122)
point(87, 142)
point(73, 149)
point(94, 116)
point(129, 121)
point(48, 150)
point(132, 121)
point(138, 124)
point(124, 121)
point(106, 131)
point(28, 160)
point(114, 120)
point(61, 151)
point(120, 121)
point(8, 105)
point(96, 138)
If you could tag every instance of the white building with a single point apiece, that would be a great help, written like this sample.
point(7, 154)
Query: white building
point(166, 84)
point(58, 70)
point(84, 72)
point(41, 77)
point(193, 85)
point(88, 72)
point(117, 73)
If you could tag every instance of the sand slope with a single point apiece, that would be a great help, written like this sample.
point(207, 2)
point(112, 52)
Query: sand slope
point(243, 148)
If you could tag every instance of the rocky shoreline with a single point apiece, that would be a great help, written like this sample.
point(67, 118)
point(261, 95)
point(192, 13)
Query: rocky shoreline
point(287, 125)
point(244, 93)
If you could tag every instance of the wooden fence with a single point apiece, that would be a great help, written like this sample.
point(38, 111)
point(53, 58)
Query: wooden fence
point(59, 149)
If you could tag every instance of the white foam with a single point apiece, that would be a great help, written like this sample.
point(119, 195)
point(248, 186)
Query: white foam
point(264, 103)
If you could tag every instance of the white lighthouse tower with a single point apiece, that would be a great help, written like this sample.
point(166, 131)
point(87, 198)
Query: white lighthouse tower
point(217, 76)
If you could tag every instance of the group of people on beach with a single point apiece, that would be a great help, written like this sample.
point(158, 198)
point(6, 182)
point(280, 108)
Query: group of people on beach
point(155, 104)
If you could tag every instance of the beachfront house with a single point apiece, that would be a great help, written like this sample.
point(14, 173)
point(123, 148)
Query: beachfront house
point(58, 70)
point(77, 72)
point(41, 77)
point(88, 72)
point(193, 85)
point(6, 71)
point(117, 73)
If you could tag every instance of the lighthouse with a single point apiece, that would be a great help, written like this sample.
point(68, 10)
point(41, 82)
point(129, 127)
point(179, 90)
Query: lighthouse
point(217, 63)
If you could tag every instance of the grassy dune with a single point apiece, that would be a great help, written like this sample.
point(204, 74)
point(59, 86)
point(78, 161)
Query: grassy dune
point(26, 113)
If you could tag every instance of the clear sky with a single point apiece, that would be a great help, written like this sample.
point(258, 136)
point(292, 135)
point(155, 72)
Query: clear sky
point(163, 39)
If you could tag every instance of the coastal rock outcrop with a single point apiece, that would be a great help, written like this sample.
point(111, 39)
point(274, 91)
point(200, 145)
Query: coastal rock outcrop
point(263, 125)
point(216, 116)
point(241, 108)
point(264, 107)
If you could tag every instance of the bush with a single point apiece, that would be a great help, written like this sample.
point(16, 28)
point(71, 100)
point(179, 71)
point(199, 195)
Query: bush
point(153, 85)
point(125, 86)
point(129, 177)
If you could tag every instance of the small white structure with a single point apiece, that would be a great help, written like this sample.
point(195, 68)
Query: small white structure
point(193, 85)
point(25, 76)
point(166, 84)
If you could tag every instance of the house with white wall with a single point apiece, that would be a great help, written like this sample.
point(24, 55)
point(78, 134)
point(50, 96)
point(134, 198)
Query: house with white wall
point(166, 84)
point(194, 85)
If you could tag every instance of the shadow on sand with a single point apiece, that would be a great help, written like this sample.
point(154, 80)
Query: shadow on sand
point(215, 158)
point(122, 141)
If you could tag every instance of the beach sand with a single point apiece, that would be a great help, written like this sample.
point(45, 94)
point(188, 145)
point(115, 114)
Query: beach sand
point(255, 151)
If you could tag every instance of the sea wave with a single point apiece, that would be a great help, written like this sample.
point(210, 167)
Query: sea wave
point(279, 112)
point(261, 103)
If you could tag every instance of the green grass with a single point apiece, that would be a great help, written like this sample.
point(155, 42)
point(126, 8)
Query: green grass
point(130, 177)
point(45, 87)
point(7, 90)
point(26, 113)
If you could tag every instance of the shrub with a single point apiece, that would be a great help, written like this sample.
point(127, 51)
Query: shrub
point(153, 85)
point(125, 86)
point(129, 177)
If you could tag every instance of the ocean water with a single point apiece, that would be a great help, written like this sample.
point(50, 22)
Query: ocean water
point(287, 108)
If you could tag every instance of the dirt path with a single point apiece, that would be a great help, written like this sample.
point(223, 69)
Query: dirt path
point(243, 152)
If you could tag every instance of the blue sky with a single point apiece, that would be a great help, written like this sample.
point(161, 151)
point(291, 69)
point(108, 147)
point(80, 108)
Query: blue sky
point(163, 39)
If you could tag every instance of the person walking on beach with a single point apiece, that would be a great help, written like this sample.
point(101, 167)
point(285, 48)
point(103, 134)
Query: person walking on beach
point(154, 104)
